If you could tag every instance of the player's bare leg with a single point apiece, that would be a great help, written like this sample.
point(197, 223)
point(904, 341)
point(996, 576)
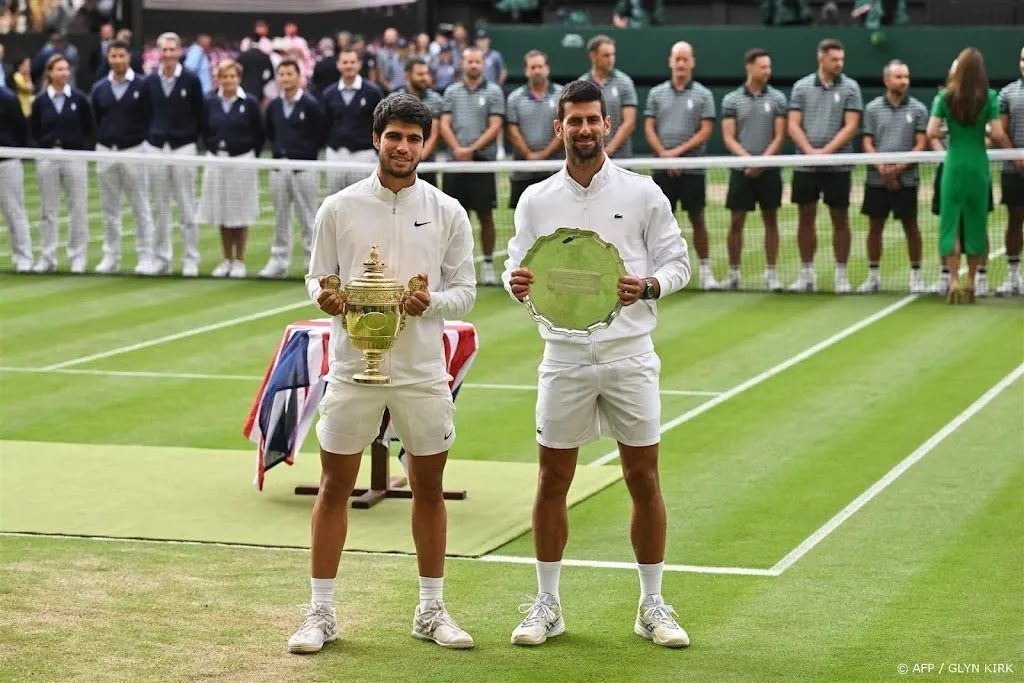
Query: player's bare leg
point(807, 240)
point(770, 218)
point(841, 240)
point(431, 620)
point(874, 243)
point(655, 619)
point(735, 243)
point(487, 238)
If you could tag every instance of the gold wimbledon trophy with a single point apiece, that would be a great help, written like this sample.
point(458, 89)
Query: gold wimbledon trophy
point(374, 314)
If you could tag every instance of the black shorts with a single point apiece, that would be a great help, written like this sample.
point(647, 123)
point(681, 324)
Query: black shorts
point(475, 191)
point(937, 191)
point(688, 190)
point(517, 187)
point(880, 202)
point(428, 178)
point(1013, 189)
point(832, 186)
point(745, 192)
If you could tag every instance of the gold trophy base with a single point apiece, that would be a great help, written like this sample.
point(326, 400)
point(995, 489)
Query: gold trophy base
point(372, 373)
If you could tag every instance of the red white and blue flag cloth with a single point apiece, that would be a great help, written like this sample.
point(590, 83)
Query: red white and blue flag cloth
point(295, 381)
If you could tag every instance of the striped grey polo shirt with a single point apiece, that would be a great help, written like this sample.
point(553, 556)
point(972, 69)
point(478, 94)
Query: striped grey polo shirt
point(470, 110)
point(619, 92)
point(434, 104)
point(893, 129)
point(824, 108)
point(535, 118)
point(1011, 102)
point(755, 116)
point(678, 113)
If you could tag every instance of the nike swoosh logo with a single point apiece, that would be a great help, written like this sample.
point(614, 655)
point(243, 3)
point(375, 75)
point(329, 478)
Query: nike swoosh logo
point(618, 215)
point(449, 435)
point(419, 225)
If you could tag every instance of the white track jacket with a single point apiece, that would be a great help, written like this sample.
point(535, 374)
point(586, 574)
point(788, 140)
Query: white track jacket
point(627, 210)
point(418, 230)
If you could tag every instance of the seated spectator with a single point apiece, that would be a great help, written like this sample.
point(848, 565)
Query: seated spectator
point(22, 81)
point(446, 73)
point(260, 38)
point(786, 12)
point(639, 13)
point(877, 13)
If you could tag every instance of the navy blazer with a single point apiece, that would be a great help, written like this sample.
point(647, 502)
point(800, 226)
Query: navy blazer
point(13, 126)
point(177, 120)
point(70, 129)
point(351, 125)
point(125, 122)
point(237, 131)
point(299, 136)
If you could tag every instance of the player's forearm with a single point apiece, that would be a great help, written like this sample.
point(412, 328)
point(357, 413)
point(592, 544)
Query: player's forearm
point(674, 272)
point(735, 148)
point(489, 136)
point(431, 146)
point(552, 147)
point(449, 135)
point(518, 143)
point(774, 146)
point(458, 297)
point(695, 142)
point(799, 138)
point(651, 135)
point(842, 138)
point(323, 258)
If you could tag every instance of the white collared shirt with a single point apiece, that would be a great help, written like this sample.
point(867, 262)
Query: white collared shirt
point(289, 105)
point(168, 83)
point(119, 88)
point(58, 98)
point(348, 92)
point(227, 104)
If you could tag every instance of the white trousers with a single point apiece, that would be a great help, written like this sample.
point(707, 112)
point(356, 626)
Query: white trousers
point(12, 202)
point(180, 182)
point(301, 189)
point(73, 177)
point(117, 179)
point(339, 180)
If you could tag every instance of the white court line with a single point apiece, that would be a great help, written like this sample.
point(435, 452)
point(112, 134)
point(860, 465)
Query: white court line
point(258, 378)
point(780, 367)
point(178, 335)
point(501, 559)
point(892, 475)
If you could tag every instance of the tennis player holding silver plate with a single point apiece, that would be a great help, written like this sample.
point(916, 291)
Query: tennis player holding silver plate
point(596, 377)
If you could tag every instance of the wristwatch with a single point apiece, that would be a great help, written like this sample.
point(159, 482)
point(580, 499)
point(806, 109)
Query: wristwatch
point(648, 292)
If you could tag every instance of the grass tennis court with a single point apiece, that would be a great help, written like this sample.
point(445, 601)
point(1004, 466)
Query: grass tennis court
point(843, 478)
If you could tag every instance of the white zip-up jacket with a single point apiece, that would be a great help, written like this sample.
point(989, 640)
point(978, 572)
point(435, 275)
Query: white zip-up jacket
point(418, 230)
point(627, 210)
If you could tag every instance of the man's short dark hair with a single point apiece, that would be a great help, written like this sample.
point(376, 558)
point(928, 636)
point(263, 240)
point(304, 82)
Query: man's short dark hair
point(754, 54)
point(119, 45)
point(828, 45)
point(289, 62)
point(595, 43)
point(413, 63)
point(534, 53)
point(402, 107)
point(578, 92)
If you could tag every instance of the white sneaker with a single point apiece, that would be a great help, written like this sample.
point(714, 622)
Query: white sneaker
point(319, 626)
point(981, 285)
point(274, 269)
point(237, 269)
point(917, 282)
point(941, 286)
point(772, 282)
point(543, 620)
point(42, 266)
point(78, 266)
point(842, 283)
point(190, 269)
point(708, 282)
point(437, 626)
point(807, 282)
point(655, 621)
point(1011, 286)
point(869, 286)
point(487, 276)
point(733, 281)
point(145, 267)
point(108, 265)
point(22, 266)
point(223, 269)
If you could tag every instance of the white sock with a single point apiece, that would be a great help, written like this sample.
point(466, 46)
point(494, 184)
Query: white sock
point(323, 592)
point(841, 269)
point(650, 579)
point(770, 270)
point(734, 270)
point(430, 589)
point(1015, 267)
point(809, 268)
point(547, 578)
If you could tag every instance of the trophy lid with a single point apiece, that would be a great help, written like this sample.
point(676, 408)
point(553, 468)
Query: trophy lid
point(373, 275)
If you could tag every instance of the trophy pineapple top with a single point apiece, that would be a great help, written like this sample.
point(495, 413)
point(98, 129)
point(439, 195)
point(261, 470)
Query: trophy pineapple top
point(374, 268)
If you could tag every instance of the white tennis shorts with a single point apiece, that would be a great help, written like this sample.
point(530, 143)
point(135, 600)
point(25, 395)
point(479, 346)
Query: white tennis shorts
point(576, 404)
point(423, 416)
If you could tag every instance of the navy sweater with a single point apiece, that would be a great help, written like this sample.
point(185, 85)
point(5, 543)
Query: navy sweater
point(70, 129)
point(13, 127)
point(301, 135)
point(237, 131)
point(351, 125)
point(125, 122)
point(177, 120)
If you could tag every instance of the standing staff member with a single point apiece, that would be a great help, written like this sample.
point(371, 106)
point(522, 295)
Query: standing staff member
point(123, 110)
point(1011, 114)
point(177, 98)
point(754, 124)
point(348, 111)
point(62, 119)
point(14, 133)
point(893, 122)
point(619, 95)
point(232, 127)
point(295, 130)
point(678, 119)
point(531, 112)
point(417, 84)
point(966, 105)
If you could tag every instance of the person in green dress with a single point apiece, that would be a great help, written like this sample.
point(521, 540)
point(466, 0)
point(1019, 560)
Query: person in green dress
point(967, 105)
